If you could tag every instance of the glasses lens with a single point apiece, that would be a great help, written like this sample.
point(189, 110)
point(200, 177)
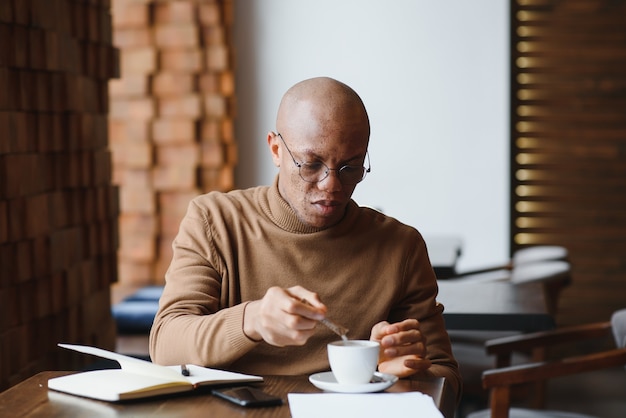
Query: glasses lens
point(313, 172)
point(350, 174)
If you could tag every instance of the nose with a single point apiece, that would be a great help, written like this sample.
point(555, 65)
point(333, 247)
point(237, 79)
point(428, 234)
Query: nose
point(331, 182)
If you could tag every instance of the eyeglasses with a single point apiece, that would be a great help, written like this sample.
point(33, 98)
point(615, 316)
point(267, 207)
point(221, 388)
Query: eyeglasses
point(318, 171)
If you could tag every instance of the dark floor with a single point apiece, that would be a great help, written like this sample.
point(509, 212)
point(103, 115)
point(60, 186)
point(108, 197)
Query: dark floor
point(600, 394)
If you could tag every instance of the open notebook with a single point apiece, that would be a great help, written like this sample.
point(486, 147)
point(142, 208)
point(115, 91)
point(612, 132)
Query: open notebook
point(139, 378)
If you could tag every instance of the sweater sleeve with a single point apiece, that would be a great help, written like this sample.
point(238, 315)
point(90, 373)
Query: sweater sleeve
point(191, 325)
point(419, 301)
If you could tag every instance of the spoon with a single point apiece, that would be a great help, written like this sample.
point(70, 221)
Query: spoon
point(337, 329)
point(334, 327)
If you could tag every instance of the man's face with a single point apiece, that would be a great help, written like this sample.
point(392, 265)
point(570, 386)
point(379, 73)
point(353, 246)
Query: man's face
point(320, 204)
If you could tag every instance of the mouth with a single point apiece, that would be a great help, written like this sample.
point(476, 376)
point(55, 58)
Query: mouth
point(327, 207)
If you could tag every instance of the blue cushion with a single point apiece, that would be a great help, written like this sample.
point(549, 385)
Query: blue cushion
point(135, 317)
point(147, 293)
point(135, 314)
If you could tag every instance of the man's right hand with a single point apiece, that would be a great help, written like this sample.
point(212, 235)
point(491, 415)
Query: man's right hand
point(281, 318)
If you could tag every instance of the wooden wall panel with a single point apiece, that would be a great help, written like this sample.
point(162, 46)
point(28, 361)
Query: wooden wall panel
point(170, 123)
point(568, 132)
point(58, 209)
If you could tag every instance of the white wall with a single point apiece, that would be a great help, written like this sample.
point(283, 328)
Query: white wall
point(434, 77)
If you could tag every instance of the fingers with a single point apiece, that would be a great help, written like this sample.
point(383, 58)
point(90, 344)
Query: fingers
point(378, 331)
point(403, 349)
point(403, 346)
point(417, 349)
point(417, 364)
point(404, 366)
point(402, 333)
point(281, 318)
point(313, 307)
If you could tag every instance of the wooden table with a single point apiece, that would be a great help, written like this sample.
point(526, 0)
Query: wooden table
point(494, 306)
point(31, 398)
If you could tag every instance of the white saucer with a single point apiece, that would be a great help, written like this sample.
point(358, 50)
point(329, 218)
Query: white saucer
point(327, 381)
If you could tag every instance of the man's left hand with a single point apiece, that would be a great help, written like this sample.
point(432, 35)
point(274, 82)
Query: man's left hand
point(402, 347)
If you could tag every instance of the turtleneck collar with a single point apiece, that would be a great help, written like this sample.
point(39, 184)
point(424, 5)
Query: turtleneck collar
point(281, 213)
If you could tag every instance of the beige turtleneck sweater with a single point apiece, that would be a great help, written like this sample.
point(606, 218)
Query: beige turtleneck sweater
point(232, 247)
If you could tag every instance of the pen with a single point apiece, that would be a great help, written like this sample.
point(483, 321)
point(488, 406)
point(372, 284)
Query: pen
point(184, 370)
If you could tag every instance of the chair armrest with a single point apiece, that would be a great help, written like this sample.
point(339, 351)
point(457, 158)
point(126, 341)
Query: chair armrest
point(543, 339)
point(499, 381)
point(533, 372)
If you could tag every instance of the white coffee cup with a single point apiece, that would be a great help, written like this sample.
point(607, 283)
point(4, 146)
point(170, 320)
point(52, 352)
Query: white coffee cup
point(353, 362)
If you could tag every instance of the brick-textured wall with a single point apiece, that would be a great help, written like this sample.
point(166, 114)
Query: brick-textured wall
point(171, 122)
point(58, 209)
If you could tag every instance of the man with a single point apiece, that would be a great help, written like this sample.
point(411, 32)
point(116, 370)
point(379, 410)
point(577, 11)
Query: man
point(253, 271)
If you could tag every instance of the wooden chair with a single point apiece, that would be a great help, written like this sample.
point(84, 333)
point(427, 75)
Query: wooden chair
point(522, 257)
point(554, 277)
point(501, 380)
point(468, 346)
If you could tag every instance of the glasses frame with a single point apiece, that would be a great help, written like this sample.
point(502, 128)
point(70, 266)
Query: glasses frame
point(328, 169)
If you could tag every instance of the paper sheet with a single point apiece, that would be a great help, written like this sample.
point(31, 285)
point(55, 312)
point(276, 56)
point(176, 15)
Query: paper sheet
point(345, 405)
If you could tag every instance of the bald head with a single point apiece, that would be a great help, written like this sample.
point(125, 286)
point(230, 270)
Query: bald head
point(322, 104)
point(323, 126)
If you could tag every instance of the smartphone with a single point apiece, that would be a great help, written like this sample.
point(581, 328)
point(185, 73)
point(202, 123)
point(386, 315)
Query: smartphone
point(247, 396)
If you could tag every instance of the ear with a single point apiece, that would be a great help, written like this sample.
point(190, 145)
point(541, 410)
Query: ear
point(273, 143)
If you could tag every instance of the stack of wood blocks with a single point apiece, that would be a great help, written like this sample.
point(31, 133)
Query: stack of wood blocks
point(171, 122)
point(58, 209)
